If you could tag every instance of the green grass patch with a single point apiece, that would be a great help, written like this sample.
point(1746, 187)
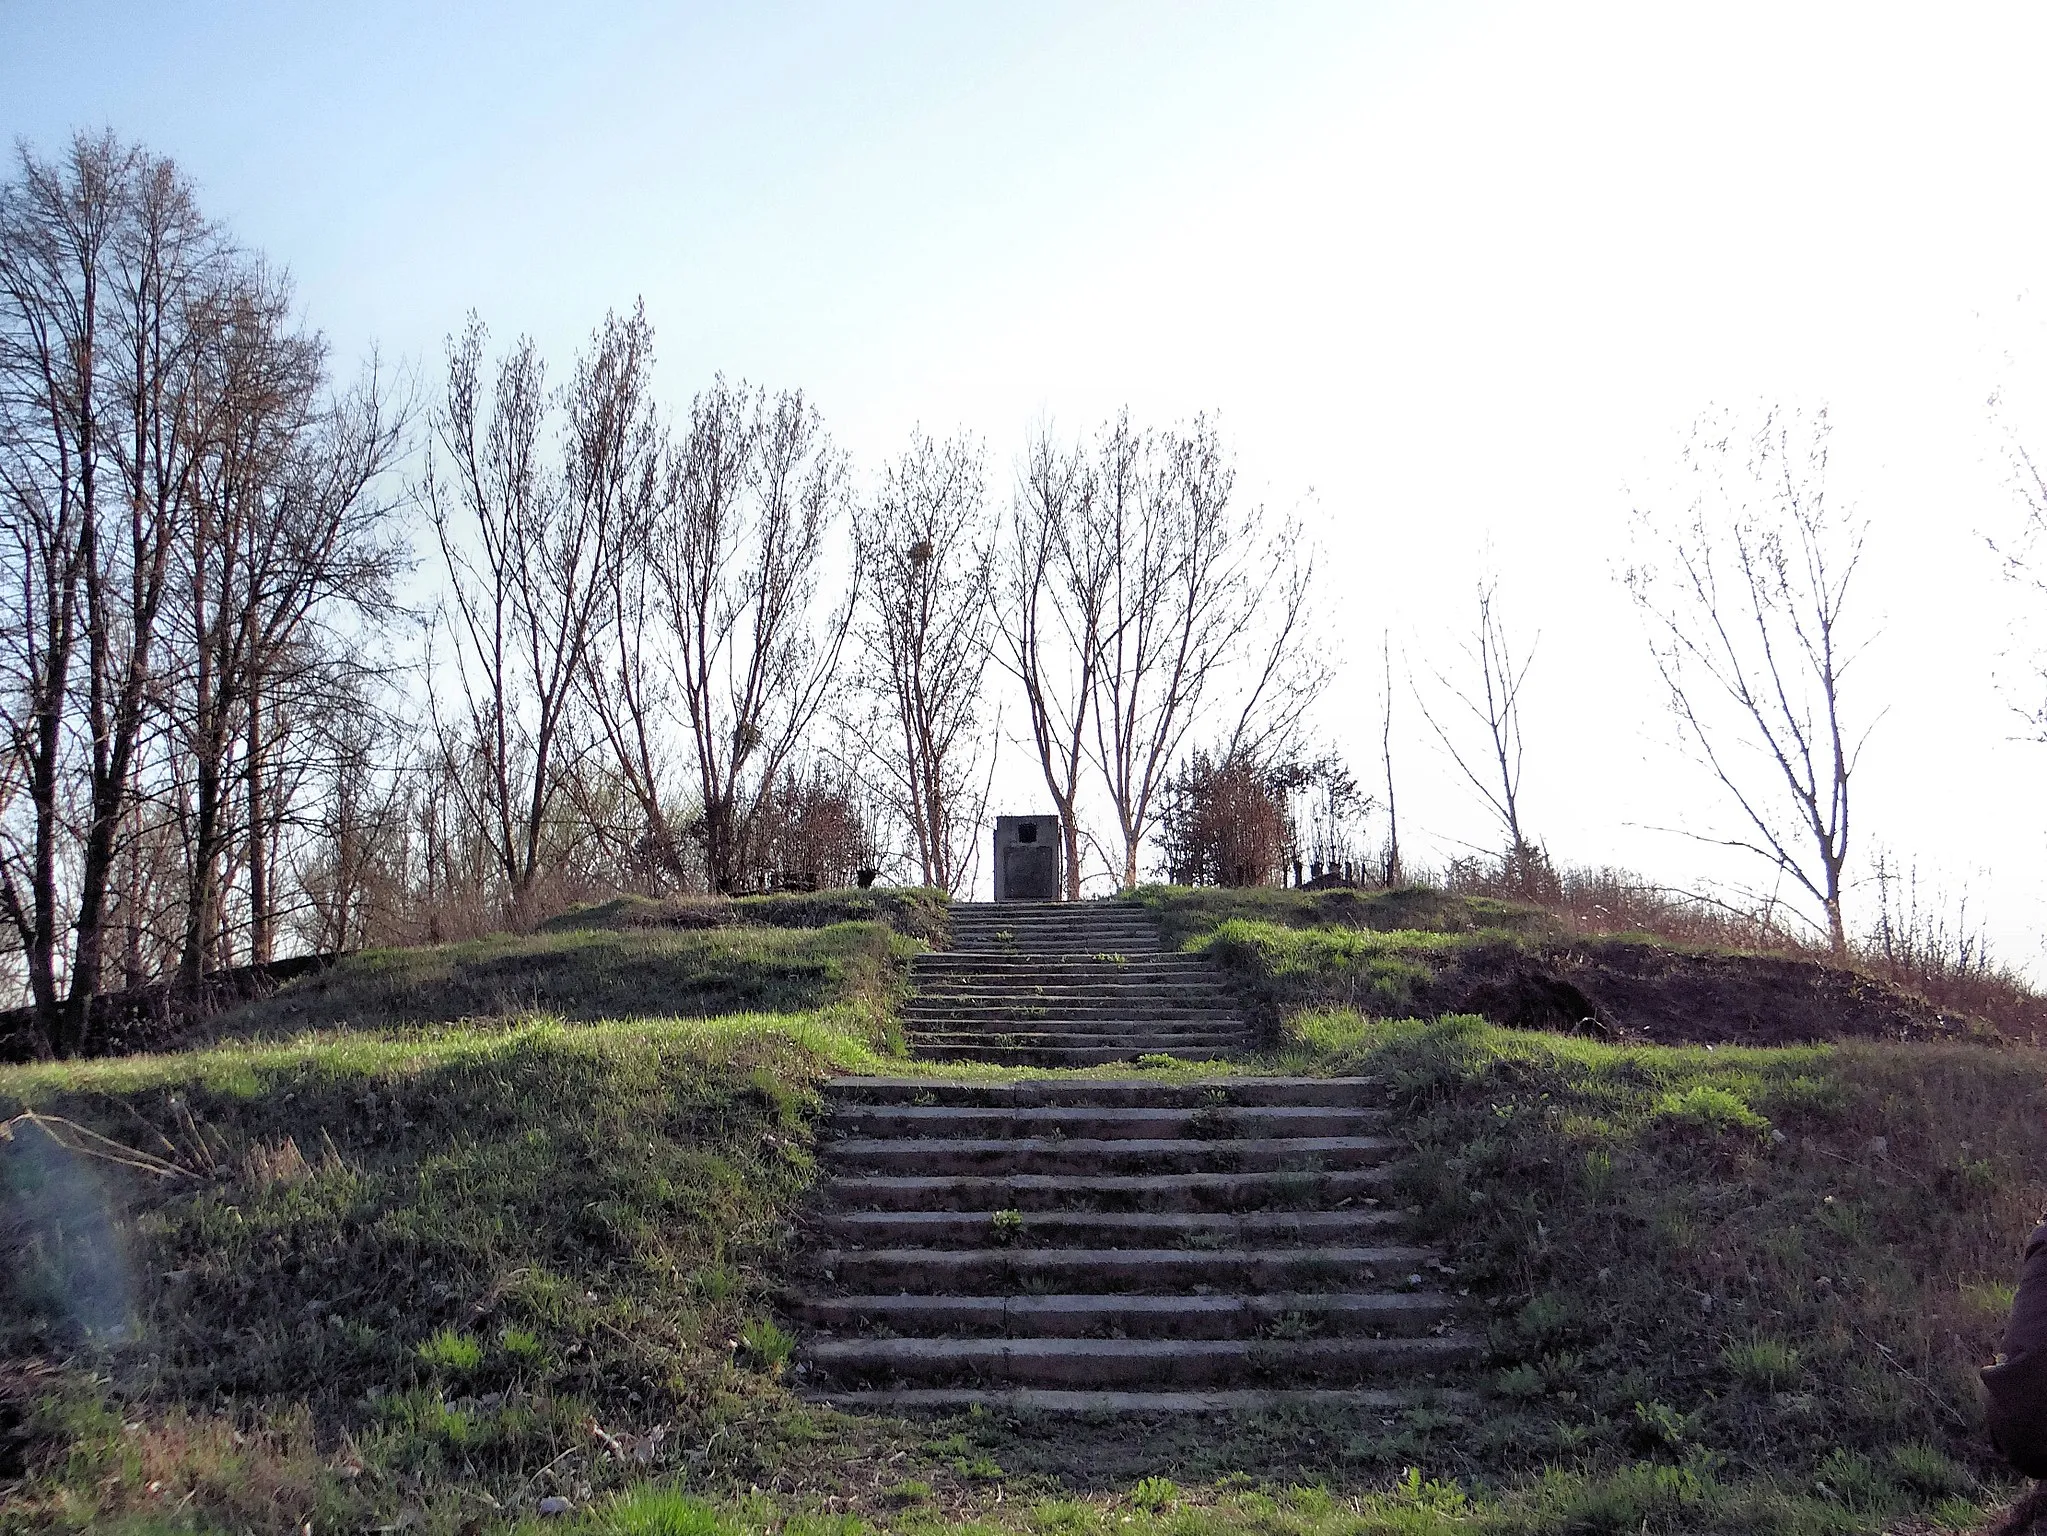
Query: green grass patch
point(459, 1250)
point(587, 975)
point(1755, 1261)
point(1382, 972)
point(1191, 912)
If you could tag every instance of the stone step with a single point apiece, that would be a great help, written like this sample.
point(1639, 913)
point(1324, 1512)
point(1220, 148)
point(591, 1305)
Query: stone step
point(1284, 1190)
point(1112, 1026)
point(1229, 1033)
point(1073, 1056)
point(979, 927)
point(1109, 1123)
point(1206, 1230)
point(1097, 1155)
point(1133, 1093)
point(1068, 1006)
point(1030, 1401)
point(1073, 946)
point(1165, 962)
point(1061, 1033)
point(1069, 1000)
point(1035, 983)
point(1009, 915)
point(1005, 913)
point(1398, 1313)
point(1081, 1014)
point(1080, 1002)
point(1026, 929)
point(1122, 1045)
point(936, 1271)
point(1150, 1363)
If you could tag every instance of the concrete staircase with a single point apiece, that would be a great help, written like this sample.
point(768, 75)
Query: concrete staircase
point(1068, 1244)
point(1095, 1245)
point(1059, 984)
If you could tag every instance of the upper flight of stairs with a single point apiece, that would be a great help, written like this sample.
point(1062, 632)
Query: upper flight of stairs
point(1059, 984)
point(1116, 1246)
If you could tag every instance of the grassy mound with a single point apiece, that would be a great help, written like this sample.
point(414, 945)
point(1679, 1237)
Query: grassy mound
point(586, 975)
point(1425, 953)
point(1788, 1262)
point(446, 1234)
point(412, 1228)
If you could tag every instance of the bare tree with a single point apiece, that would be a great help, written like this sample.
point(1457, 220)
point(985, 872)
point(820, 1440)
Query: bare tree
point(737, 562)
point(1199, 592)
point(2024, 564)
point(285, 532)
point(1746, 594)
point(107, 273)
point(522, 556)
point(1391, 871)
point(351, 867)
point(1057, 559)
point(1492, 698)
point(621, 465)
point(926, 563)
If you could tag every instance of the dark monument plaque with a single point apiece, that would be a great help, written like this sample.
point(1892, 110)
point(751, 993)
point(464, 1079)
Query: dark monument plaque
point(1027, 859)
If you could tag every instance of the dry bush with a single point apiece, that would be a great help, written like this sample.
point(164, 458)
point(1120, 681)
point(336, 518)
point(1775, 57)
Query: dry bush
point(1224, 823)
point(811, 834)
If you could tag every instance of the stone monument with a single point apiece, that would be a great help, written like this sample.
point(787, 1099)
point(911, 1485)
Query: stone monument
point(1027, 859)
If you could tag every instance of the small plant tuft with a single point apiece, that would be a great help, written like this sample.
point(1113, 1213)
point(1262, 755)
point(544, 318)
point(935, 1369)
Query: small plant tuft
point(766, 1346)
point(1155, 1495)
point(1708, 1108)
point(1766, 1364)
point(451, 1351)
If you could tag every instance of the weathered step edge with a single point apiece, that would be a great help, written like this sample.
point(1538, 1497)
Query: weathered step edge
point(1025, 1402)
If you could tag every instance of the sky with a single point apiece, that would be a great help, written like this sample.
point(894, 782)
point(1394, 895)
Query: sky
point(1457, 279)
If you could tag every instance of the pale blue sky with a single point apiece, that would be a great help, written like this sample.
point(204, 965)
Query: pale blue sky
point(1455, 277)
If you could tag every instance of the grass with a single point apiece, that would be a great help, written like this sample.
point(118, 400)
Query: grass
point(1779, 1261)
point(458, 1241)
point(585, 975)
point(1383, 971)
point(424, 1269)
point(1193, 912)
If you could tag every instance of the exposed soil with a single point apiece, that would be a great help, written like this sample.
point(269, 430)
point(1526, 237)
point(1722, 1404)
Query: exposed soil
point(1630, 989)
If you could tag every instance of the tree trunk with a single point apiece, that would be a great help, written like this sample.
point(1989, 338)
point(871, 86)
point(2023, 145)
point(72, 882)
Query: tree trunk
point(197, 951)
point(261, 941)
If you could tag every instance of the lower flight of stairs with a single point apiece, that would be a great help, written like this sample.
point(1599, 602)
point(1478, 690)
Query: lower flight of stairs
point(1116, 1246)
point(1066, 984)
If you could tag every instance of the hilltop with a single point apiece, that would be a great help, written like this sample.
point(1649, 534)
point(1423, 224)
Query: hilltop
point(433, 1235)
